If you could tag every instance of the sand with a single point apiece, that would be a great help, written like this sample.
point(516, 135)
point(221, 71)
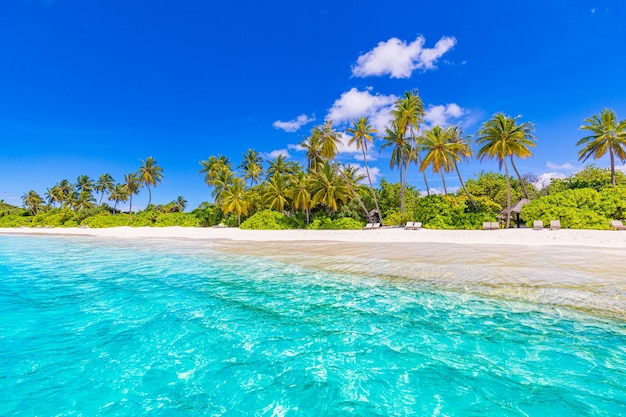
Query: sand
point(573, 270)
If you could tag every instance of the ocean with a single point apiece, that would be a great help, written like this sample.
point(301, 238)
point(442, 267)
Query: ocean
point(109, 327)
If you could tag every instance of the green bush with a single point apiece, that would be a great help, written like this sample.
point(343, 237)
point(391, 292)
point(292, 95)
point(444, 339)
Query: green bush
point(268, 220)
point(107, 220)
point(15, 220)
point(448, 212)
point(176, 219)
point(344, 223)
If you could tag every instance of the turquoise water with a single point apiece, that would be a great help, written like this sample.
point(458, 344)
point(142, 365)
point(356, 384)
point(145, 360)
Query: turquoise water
point(94, 327)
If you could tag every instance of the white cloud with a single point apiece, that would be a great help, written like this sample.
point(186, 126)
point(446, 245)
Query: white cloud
point(399, 59)
point(294, 124)
point(275, 154)
point(360, 170)
point(296, 147)
point(543, 180)
point(560, 167)
point(354, 104)
point(440, 115)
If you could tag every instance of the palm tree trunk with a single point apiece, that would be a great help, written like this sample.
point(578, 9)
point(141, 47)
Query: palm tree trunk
point(369, 178)
point(401, 164)
point(465, 189)
point(149, 196)
point(130, 208)
point(101, 195)
point(367, 213)
point(612, 166)
point(443, 181)
point(508, 194)
point(520, 179)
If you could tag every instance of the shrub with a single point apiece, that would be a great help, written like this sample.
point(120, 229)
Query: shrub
point(268, 220)
point(344, 223)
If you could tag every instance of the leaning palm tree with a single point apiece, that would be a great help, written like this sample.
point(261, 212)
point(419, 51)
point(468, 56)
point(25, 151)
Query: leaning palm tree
point(149, 174)
point(131, 187)
point(607, 135)
point(235, 199)
point(33, 201)
point(440, 155)
point(104, 185)
point(502, 137)
point(463, 151)
point(362, 133)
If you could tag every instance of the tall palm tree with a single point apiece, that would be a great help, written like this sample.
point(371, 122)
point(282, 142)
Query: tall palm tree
point(329, 140)
point(117, 194)
point(64, 191)
point(279, 166)
point(327, 187)
point(131, 187)
point(408, 113)
point(104, 185)
point(235, 199)
point(362, 133)
point(501, 137)
point(313, 150)
point(149, 174)
point(33, 201)
point(351, 178)
point(252, 166)
point(299, 193)
point(607, 135)
point(463, 151)
point(275, 195)
point(393, 139)
point(85, 200)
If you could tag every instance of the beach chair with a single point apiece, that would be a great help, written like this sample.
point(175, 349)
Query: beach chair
point(417, 225)
point(409, 226)
point(538, 225)
point(376, 226)
point(491, 225)
point(617, 225)
point(555, 224)
point(369, 226)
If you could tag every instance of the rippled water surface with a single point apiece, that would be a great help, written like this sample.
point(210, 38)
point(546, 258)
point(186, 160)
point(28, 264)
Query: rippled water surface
point(93, 327)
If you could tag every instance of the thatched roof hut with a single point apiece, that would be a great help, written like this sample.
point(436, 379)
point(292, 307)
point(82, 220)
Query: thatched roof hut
point(515, 210)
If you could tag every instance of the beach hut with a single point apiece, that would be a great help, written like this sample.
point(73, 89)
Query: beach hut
point(515, 210)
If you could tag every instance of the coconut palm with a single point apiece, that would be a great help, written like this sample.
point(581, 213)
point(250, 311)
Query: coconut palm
point(327, 187)
point(104, 185)
point(149, 174)
point(235, 199)
point(400, 148)
point(275, 195)
point(607, 135)
point(252, 166)
point(440, 155)
point(63, 192)
point(131, 187)
point(118, 194)
point(212, 166)
point(33, 201)
point(362, 133)
point(408, 113)
point(329, 139)
point(299, 193)
point(502, 137)
point(84, 184)
point(279, 166)
point(463, 151)
point(313, 151)
point(181, 203)
point(84, 200)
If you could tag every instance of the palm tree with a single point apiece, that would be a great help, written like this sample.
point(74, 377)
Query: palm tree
point(131, 187)
point(181, 203)
point(235, 199)
point(117, 194)
point(502, 137)
point(408, 113)
point(607, 134)
point(327, 187)
point(279, 166)
point(212, 166)
point(84, 184)
point(313, 151)
point(252, 166)
point(275, 195)
point(33, 202)
point(362, 133)
point(440, 155)
point(328, 138)
point(104, 185)
point(85, 200)
point(400, 148)
point(149, 174)
point(63, 192)
point(463, 151)
point(299, 193)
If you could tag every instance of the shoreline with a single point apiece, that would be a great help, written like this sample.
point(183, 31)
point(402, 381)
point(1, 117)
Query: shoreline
point(609, 239)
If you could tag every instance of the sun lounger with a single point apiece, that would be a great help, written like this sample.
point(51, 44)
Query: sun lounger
point(417, 225)
point(491, 225)
point(409, 226)
point(538, 225)
point(376, 226)
point(369, 226)
point(617, 225)
point(555, 224)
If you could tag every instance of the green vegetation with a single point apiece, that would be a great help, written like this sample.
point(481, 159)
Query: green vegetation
point(280, 194)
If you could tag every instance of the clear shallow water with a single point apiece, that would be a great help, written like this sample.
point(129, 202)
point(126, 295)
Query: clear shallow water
point(92, 327)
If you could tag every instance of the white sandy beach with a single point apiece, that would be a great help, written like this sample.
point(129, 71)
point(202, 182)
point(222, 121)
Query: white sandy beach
point(523, 237)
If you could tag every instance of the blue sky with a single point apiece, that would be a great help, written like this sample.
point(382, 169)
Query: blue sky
point(88, 87)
